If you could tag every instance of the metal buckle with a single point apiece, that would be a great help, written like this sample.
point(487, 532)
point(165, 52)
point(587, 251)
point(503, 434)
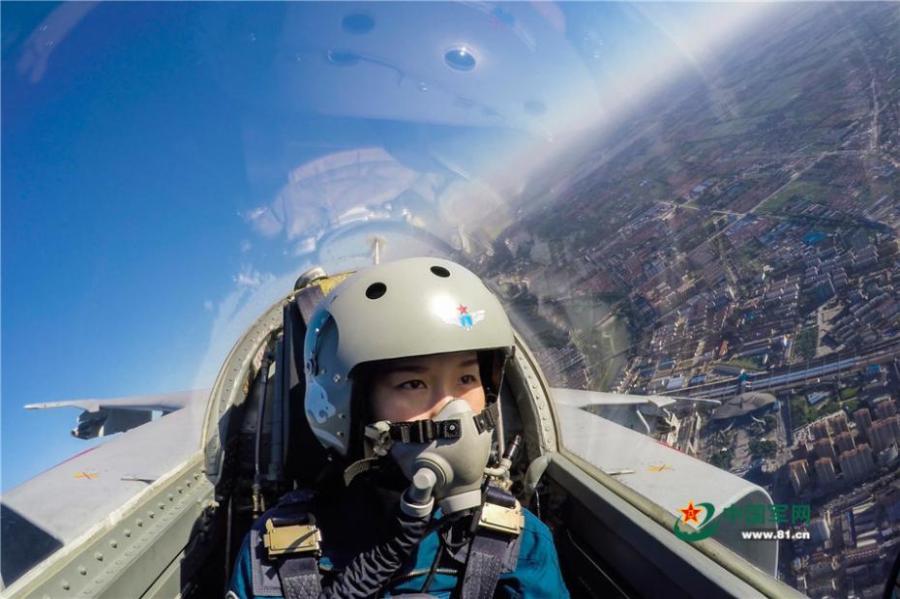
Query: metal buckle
point(487, 419)
point(425, 431)
point(282, 539)
point(508, 520)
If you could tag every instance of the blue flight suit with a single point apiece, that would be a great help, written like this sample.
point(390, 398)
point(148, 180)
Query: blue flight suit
point(537, 574)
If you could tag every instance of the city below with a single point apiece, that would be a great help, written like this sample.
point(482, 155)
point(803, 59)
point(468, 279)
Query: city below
point(749, 265)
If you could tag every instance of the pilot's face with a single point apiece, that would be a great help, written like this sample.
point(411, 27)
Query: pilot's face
point(418, 388)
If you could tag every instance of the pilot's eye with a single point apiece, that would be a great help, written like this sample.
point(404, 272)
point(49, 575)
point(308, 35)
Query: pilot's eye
point(468, 379)
point(414, 384)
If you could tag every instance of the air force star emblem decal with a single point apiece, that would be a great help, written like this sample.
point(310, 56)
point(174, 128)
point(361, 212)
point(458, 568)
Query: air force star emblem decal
point(464, 317)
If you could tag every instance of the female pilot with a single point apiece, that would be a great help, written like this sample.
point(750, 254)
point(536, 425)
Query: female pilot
point(403, 362)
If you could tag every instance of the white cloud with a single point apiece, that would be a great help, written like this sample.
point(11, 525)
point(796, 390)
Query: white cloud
point(238, 310)
point(264, 221)
point(251, 278)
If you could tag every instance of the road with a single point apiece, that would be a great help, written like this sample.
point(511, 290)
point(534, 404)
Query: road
point(786, 377)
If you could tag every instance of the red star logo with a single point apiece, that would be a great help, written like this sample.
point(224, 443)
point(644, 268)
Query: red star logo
point(690, 513)
point(462, 309)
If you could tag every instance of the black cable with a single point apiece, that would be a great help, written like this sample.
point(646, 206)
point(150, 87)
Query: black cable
point(458, 544)
point(258, 503)
point(228, 543)
point(434, 565)
point(260, 409)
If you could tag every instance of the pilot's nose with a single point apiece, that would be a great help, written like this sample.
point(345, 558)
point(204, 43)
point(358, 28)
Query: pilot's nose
point(442, 394)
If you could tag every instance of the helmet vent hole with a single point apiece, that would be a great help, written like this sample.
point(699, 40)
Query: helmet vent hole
point(440, 271)
point(376, 290)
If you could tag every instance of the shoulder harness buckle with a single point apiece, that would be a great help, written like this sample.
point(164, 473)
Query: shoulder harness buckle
point(286, 536)
point(494, 549)
point(508, 520)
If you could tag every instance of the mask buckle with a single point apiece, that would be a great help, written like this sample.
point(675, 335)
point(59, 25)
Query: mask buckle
point(425, 431)
point(379, 435)
point(487, 419)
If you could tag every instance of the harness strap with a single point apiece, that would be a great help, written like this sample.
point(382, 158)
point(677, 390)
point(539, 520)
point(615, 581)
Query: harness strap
point(495, 546)
point(299, 577)
point(285, 548)
point(487, 556)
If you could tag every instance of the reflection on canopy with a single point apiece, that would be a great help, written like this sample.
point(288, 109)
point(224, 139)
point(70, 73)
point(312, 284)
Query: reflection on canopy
point(661, 211)
point(324, 197)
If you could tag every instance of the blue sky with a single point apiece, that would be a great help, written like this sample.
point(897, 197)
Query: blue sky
point(113, 229)
point(139, 139)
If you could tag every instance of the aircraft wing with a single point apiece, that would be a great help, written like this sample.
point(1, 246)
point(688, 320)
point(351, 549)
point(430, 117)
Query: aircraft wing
point(580, 398)
point(661, 473)
point(101, 417)
point(646, 414)
point(88, 491)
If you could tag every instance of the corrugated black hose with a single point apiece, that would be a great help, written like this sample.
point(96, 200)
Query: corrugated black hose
point(369, 572)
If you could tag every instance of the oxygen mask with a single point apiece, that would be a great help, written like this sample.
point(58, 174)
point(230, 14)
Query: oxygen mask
point(454, 447)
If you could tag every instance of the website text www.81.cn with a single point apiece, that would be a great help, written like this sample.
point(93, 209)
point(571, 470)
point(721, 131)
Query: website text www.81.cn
point(780, 534)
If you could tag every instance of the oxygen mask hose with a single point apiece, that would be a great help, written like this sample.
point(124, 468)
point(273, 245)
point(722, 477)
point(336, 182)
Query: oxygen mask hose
point(369, 572)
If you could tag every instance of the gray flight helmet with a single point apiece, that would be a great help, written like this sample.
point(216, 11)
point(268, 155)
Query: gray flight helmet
point(411, 307)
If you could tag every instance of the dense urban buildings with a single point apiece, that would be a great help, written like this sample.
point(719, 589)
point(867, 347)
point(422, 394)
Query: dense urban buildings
point(752, 253)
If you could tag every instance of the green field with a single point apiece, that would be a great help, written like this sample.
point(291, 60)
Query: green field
point(794, 192)
point(806, 343)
